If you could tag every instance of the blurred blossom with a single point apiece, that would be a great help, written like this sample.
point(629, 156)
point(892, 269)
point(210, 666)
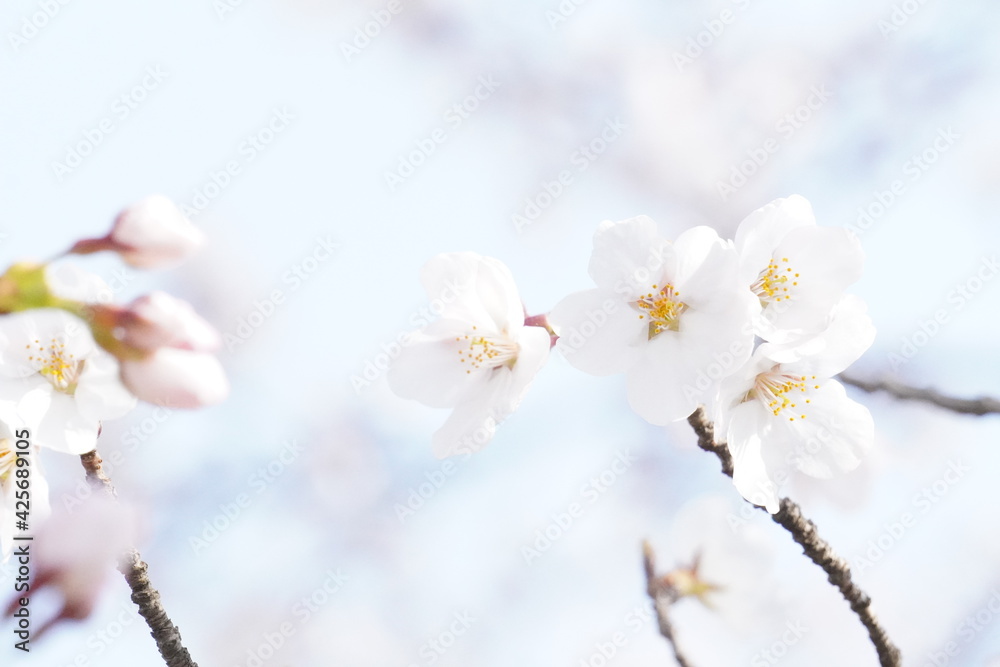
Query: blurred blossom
point(151, 234)
point(76, 552)
point(734, 558)
point(176, 378)
point(478, 358)
point(68, 384)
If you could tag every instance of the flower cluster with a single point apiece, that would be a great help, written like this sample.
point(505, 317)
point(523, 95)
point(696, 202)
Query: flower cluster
point(754, 329)
point(70, 360)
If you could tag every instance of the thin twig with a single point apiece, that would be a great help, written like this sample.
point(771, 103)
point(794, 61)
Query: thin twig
point(805, 533)
point(984, 405)
point(663, 597)
point(147, 598)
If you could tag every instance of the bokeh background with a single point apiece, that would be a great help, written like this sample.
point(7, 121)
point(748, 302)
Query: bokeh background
point(276, 123)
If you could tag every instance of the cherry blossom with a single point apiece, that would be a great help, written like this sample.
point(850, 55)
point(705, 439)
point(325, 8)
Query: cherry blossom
point(783, 410)
point(150, 234)
point(165, 350)
point(673, 316)
point(479, 358)
point(796, 269)
point(50, 362)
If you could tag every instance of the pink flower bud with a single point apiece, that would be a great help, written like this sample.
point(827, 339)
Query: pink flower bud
point(176, 378)
point(154, 234)
point(160, 320)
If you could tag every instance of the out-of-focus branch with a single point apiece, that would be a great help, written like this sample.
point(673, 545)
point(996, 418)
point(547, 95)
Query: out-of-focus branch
point(984, 405)
point(147, 598)
point(663, 596)
point(805, 533)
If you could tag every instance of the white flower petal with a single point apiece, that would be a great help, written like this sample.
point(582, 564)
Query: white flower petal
point(429, 366)
point(832, 438)
point(847, 336)
point(598, 333)
point(101, 394)
point(760, 232)
point(64, 429)
point(663, 386)
point(750, 471)
point(630, 256)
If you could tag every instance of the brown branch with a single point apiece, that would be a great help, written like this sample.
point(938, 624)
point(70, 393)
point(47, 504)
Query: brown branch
point(662, 596)
point(163, 630)
point(805, 533)
point(984, 405)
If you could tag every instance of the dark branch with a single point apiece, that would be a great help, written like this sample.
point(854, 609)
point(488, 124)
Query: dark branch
point(164, 632)
point(984, 405)
point(663, 596)
point(805, 533)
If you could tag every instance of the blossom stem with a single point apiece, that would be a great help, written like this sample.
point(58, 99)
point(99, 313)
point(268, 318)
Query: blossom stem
point(147, 598)
point(662, 598)
point(984, 405)
point(806, 534)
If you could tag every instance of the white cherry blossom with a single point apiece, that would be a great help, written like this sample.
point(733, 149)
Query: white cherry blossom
point(783, 410)
point(673, 316)
point(479, 358)
point(49, 360)
point(796, 269)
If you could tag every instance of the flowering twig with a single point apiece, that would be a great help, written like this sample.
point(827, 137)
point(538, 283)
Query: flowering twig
point(984, 405)
point(147, 598)
point(662, 596)
point(805, 533)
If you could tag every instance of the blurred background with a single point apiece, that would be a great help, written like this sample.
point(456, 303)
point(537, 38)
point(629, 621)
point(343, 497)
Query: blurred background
point(328, 149)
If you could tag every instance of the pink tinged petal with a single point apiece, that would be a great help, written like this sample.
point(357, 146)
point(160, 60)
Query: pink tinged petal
point(761, 232)
point(430, 369)
point(177, 379)
point(154, 234)
point(598, 333)
point(833, 436)
point(821, 263)
point(629, 257)
point(160, 320)
point(750, 470)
